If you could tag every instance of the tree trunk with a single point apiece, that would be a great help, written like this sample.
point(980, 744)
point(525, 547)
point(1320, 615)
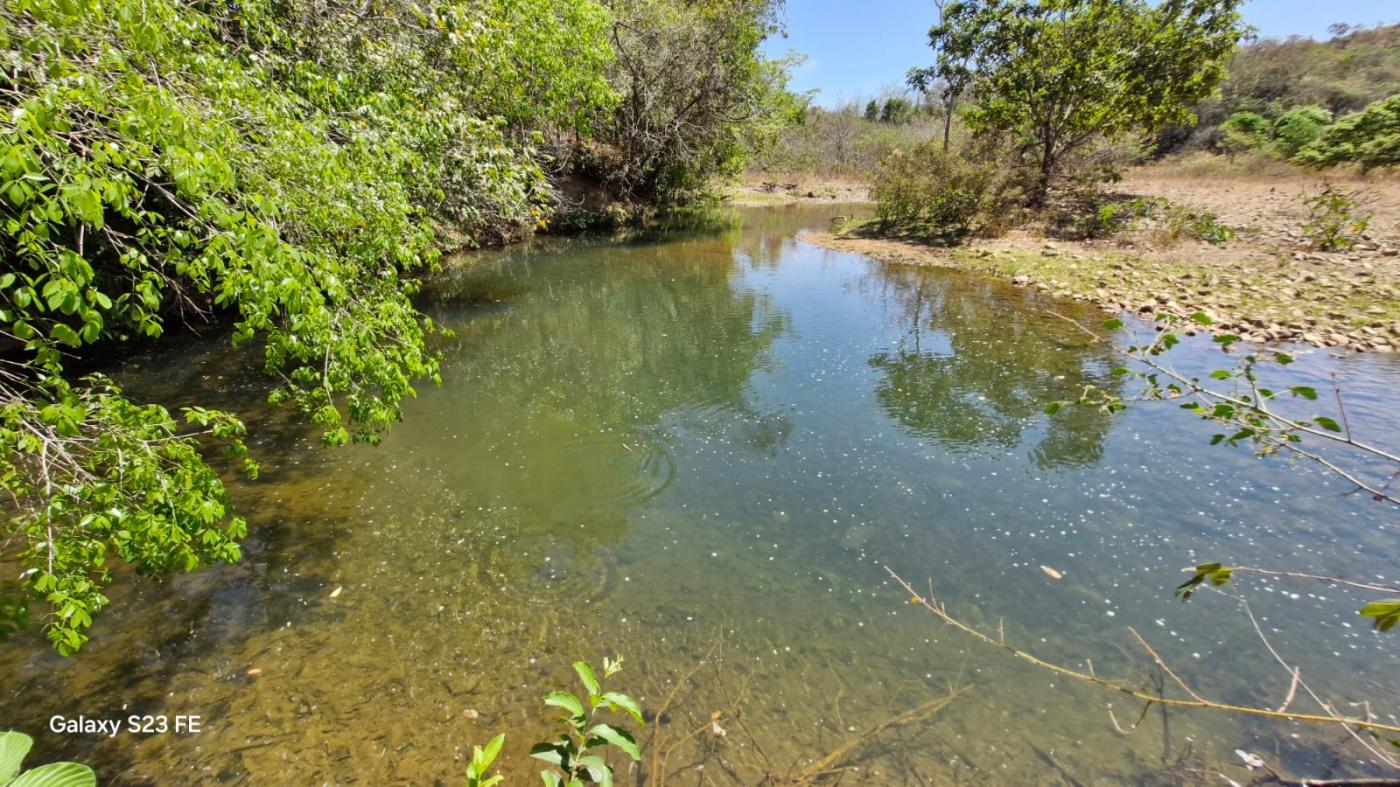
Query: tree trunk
point(1041, 193)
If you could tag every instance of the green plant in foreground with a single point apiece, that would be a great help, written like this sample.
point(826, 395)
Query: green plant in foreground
point(1334, 220)
point(577, 752)
point(481, 763)
point(13, 748)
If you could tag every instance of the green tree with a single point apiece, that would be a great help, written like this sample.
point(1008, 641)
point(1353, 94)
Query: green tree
point(1244, 131)
point(1370, 138)
point(278, 167)
point(1298, 127)
point(1057, 74)
point(897, 111)
point(694, 91)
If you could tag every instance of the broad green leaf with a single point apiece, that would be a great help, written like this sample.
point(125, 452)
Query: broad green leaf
point(598, 770)
point(1328, 424)
point(1304, 391)
point(565, 700)
point(619, 738)
point(1385, 613)
point(551, 753)
point(13, 748)
point(585, 674)
point(626, 703)
point(58, 774)
point(493, 749)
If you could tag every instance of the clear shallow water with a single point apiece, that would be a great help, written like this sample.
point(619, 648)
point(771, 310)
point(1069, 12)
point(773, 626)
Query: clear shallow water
point(701, 451)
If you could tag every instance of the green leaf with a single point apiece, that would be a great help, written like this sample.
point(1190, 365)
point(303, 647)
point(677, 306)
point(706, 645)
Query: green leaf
point(57, 774)
point(1328, 424)
point(619, 738)
point(1304, 391)
point(552, 753)
point(626, 703)
point(585, 674)
point(1386, 613)
point(1215, 572)
point(550, 779)
point(13, 748)
point(598, 770)
point(1220, 374)
point(565, 700)
point(1202, 318)
point(483, 757)
point(65, 334)
point(1053, 407)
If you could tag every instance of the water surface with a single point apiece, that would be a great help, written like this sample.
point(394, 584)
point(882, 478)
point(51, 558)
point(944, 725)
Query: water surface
point(697, 452)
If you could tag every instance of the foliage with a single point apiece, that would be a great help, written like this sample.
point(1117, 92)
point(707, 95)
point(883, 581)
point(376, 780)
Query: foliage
point(1370, 138)
point(1298, 128)
point(1201, 225)
point(897, 110)
point(162, 163)
point(1056, 74)
point(838, 142)
point(1095, 218)
point(13, 748)
point(481, 762)
point(1271, 77)
point(578, 752)
point(287, 168)
point(1334, 219)
point(938, 195)
point(695, 96)
point(1244, 131)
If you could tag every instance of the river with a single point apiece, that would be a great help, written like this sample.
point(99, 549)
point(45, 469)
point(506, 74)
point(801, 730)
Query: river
point(698, 451)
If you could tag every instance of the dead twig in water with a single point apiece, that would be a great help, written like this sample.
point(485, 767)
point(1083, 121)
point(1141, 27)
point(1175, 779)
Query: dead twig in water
point(832, 763)
point(1195, 701)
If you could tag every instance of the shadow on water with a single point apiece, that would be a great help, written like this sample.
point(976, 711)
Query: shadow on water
point(697, 449)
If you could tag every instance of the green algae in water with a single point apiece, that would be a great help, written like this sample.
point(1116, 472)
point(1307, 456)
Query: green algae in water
point(697, 451)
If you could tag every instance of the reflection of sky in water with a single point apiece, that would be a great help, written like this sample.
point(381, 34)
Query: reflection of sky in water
point(638, 447)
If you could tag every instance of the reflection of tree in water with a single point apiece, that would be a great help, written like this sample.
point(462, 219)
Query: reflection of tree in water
point(978, 363)
point(565, 393)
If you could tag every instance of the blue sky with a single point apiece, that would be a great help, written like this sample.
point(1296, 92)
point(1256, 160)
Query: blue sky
point(854, 48)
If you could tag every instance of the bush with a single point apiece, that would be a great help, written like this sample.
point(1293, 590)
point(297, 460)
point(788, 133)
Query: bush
point(1244, 131)
point(1370, 138)
point(1299, 127)
point(1334, 220)
point(942, 196)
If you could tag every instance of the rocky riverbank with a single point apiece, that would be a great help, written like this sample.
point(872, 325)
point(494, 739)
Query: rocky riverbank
point(1265, 285)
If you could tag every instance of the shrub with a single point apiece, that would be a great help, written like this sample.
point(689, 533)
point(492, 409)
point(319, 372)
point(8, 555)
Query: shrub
point(1334, 220)
point(942, 196)
point(1370, 138)
point(1244, 131)
point(1299, 127)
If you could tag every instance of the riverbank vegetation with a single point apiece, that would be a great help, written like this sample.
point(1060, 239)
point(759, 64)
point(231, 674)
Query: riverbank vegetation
point(285, 171)
point(1262, 199)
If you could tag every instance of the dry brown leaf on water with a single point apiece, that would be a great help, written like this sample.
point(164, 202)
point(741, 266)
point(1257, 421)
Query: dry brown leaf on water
point(1052, 573)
